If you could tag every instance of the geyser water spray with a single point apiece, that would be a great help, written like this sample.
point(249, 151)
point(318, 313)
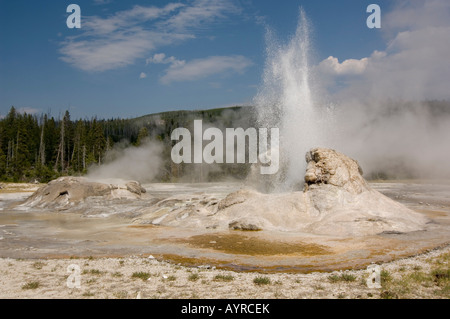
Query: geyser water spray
point(286, 100)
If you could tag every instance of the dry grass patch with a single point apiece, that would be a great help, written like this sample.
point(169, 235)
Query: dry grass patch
point(31, 285)
point(141, 275)
point(193, 277)
point(93, 272)
point(38, 265)
point(226, 278)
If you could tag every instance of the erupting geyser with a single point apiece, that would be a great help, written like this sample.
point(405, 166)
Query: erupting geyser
point(324, 195)
point(287, 100)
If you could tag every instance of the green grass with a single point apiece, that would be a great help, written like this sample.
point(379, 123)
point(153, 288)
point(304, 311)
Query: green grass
point(261, 281)
point(342, 277)
point(141, 275)
point(92, 272)
point(440, 276)
point(418, 277)
point(436, 282)
point(385, 277)
point(223, 278)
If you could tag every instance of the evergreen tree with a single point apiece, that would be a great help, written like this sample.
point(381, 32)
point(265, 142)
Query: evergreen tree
point(142, 136)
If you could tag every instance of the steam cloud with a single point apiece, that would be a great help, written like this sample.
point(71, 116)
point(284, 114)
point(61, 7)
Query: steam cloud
point(381, 119)
point(128, 162)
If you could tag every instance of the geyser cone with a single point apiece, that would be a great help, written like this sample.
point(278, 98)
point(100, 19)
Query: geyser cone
point(286, 100)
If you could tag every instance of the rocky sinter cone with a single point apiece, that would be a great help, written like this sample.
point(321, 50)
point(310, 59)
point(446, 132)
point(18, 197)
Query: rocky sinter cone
point(335, 201)
point(326, 166)
point(69, 191)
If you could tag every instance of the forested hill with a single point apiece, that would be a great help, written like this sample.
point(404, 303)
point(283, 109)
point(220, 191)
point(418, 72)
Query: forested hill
point(40, 147)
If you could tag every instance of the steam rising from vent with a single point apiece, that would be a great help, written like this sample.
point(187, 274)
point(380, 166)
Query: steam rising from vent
point(127, 162)
point(287, 100)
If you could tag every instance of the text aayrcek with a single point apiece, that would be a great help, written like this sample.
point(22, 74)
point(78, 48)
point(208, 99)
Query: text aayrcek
point(230, 309)
point(213, 152)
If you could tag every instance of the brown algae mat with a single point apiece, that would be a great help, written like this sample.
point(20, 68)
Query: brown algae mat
point(249, 245)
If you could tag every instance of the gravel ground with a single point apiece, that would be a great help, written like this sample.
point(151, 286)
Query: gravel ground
point(422, 276)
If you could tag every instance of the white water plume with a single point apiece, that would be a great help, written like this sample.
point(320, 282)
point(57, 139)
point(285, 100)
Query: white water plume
point(287, 100)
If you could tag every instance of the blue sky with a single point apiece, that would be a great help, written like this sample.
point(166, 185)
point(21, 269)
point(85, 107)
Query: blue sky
point(132, 58)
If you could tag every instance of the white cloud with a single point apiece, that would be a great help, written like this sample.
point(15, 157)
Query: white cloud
point(331, 65)
point(414, 63)
point(201, 12)
point(102, 2)
point(157, 58)
point(117, 50)
point(142, 75)
point(201, 68)
point(160, 58)
point(120, 39)
point(416, 14)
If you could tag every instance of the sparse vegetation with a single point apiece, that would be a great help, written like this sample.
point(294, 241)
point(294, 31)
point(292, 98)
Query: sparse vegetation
point(122, 294)
point(92, 272)
point(318, 287)
point(420, 278)
point(441, 276)
point(38, 265)
point(91, 281)
point(386, 294)
point(261, 281)
point(223, 278)
point(385, 277)
point(32, 285)
point(416, 283)
point(193, 277)
point(345, 277)
point(88, 294)
point(141, 275)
